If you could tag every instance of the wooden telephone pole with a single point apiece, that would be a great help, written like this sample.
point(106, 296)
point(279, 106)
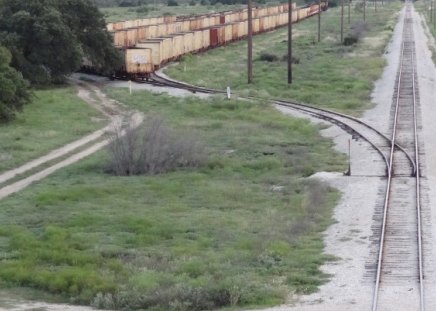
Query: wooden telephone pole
point(250, 43)
point(364, 10)
point(290, 42)
point(342, 21)
point(349, 12)
point(319, 20)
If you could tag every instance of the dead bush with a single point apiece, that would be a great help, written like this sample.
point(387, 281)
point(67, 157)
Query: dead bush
point(295, 60)
point(357, 31)
point(315, 196)
point(152, 149)
point(268, 57)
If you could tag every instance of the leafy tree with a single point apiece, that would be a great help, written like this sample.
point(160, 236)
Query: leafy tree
point(49, 38)
point(14, 91)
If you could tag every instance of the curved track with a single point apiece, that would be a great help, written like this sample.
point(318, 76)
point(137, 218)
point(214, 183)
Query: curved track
point(356, 127)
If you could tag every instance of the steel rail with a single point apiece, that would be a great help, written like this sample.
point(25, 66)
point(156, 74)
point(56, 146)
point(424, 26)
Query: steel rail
point(318, 114)
point(389, 182)
point(418, 189)
point(402, 149)
point(388, 189)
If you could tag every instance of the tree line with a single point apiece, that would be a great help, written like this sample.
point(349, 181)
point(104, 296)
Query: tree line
point(42, 41)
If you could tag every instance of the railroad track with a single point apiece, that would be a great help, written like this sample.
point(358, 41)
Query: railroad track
point(399, 274)
point(357, 128)
point(159, 80)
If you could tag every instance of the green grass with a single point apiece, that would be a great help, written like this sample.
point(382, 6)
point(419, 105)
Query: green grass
point(328, 74)
point(192, 239)
point(126, 13)
point(54, 118)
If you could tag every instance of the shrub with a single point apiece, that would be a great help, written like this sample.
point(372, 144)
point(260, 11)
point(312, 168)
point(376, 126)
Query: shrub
point(357, 31)
point(267, 57)
point(192, 3)
point(152, 149)
point(142, 10)
point(173, 3)
point(295, 60)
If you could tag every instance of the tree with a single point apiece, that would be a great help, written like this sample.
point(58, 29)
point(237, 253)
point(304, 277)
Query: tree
point(14, 93)
point(50, 38)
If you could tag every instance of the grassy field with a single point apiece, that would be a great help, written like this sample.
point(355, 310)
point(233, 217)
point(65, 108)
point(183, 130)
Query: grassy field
point(245, 229)
point(328, 74)
point(116, 14)
point(54, 118)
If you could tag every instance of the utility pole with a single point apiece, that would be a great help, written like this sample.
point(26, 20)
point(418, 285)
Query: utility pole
point(319, 20)
point(342, 21)
point(250, 43)
point(349, 12)
point(432, 2)
point(375, 5)
point(364, 10)
point(431, 11)
point(290, 42)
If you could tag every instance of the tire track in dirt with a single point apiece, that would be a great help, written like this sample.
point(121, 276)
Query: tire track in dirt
point(117, 114)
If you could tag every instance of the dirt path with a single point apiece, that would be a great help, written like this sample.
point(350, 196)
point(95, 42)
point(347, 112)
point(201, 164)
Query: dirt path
point(44, 166)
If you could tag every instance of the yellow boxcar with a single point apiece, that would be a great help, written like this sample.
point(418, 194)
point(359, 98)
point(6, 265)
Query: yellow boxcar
point(138, 61)
point(120, 38)
point(132, 37)
point(155, 46)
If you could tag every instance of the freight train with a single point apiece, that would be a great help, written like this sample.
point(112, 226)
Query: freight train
point(148, 44)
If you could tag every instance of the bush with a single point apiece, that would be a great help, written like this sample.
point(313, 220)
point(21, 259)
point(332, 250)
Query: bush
point(173, 3)
point(295, 60)
point(143, 10)
point(152, 149)
point(192, 3)
point(267, 57)
point(357, 31)
point(350, 40)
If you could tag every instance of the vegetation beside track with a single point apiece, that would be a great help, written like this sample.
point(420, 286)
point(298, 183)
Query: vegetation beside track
point(55, 117)
point(327, 74)
point(245, 229)
point(423, 8)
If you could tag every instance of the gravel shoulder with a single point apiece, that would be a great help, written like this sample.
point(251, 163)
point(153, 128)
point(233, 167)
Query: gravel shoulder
point(427, 93)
